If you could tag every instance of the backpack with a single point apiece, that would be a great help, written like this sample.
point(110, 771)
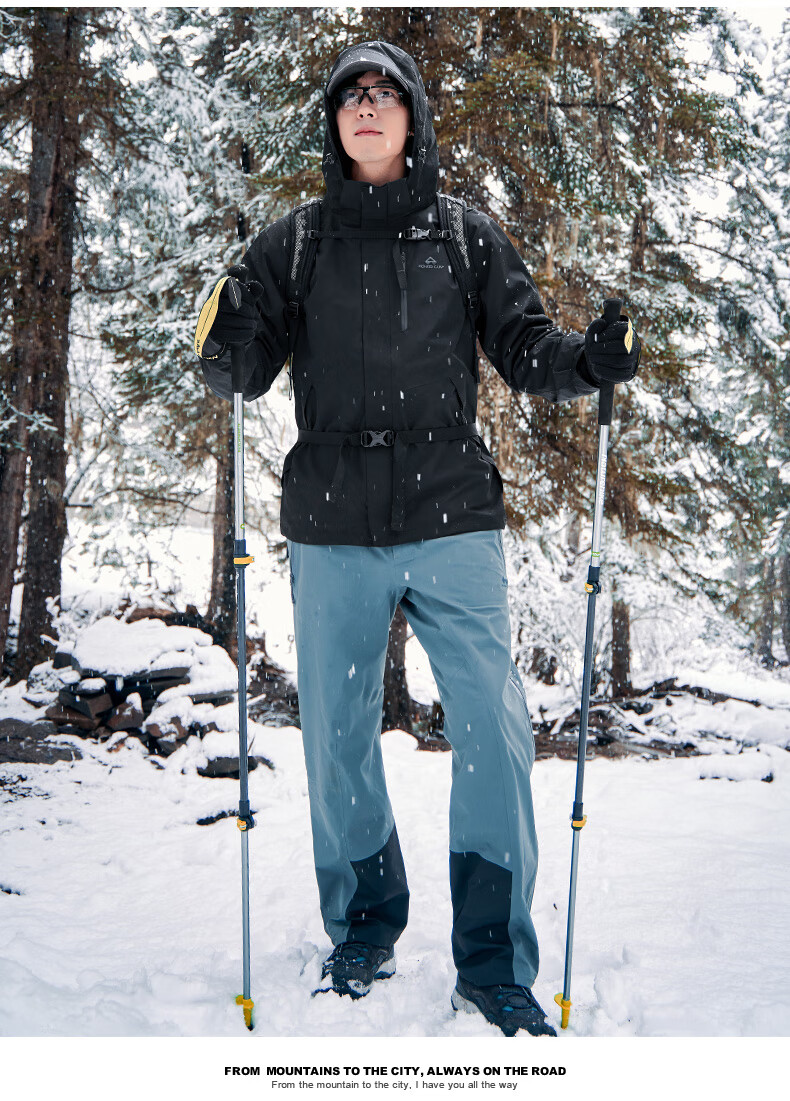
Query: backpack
point(307, 232)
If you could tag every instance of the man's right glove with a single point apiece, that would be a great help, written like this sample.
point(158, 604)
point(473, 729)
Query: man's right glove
point(612, 351)
point(221, 322)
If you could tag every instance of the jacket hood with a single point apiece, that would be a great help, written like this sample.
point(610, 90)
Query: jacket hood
point(357, 202)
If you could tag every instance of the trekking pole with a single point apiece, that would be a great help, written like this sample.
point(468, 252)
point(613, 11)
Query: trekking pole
point(611, 314)
point(241, 560)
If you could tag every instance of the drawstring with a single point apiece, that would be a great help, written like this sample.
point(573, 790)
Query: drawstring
point(399, 257)
point(398, 515)
point(340, 470)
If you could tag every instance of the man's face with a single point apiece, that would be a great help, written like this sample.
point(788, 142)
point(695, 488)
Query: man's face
point(370, 133)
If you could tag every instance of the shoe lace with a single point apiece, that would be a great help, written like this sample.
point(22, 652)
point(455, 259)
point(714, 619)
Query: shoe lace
point(513, 999)
point(351, 952)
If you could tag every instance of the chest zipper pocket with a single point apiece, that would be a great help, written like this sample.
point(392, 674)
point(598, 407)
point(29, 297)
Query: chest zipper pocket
point(399, 257)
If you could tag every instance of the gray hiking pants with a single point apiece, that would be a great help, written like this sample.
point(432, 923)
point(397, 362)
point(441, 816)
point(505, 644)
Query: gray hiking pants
point(453, 592)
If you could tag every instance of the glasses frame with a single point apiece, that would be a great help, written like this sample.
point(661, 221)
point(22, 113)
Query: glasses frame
point(365, 90)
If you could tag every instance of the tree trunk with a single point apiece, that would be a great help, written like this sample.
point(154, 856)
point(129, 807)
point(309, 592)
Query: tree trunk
point(46, 289)
point(621, 648)
point(784, 603)
point(397, 701)
point(12, 493)
point(767, 616)
point(222, 602)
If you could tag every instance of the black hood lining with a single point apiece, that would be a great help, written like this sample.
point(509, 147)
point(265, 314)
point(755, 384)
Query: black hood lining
point(421, 150)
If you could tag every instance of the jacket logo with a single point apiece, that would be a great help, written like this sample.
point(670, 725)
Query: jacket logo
point(431, 264)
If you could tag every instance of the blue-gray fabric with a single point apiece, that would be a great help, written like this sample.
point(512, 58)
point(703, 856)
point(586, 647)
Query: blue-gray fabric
point(453, 592)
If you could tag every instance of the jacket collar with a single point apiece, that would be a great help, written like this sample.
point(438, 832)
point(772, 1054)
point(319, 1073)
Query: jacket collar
point(358, 203)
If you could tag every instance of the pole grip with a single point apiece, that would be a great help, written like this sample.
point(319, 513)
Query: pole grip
point(237, 356)
point(605, 403)
point(237, 360)
point(612, 308)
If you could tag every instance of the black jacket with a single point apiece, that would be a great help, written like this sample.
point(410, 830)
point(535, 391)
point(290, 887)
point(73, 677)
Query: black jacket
point(356, 367)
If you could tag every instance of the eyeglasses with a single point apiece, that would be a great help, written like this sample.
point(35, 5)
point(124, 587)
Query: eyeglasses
point(380, 95)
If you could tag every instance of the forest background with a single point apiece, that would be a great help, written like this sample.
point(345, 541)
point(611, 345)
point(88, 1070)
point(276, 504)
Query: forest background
point(637, 152)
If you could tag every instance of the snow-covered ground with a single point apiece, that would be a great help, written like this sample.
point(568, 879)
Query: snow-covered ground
point(120, 915)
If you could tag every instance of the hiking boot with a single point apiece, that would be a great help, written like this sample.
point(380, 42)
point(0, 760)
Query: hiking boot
point(354, 966)
point(508, 1007)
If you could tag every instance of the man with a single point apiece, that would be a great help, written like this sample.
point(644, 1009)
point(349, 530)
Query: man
point(390, 497)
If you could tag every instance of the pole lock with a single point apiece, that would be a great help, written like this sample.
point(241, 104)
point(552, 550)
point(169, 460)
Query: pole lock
point(593, 584)
point(244, 819)
point(578, 823)
point(245, 561)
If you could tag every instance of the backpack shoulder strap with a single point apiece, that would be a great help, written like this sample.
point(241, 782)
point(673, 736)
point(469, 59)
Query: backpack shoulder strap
point(452, 217)
point(304, 217)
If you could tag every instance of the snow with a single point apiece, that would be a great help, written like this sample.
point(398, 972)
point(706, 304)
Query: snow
point(745, 686)
point(124, 918)
point(125, 649)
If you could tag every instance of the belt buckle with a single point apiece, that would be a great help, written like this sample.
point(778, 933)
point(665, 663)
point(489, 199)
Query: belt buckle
point(374, 437)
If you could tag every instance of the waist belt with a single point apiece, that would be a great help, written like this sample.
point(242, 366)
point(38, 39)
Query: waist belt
point(397, 439)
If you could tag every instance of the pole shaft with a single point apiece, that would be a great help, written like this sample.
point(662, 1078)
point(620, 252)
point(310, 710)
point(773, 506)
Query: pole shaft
point(593, 588)
point(585, 707)
point(238, 465)
point(600, 493)
point(240, 552)
point(245, 913)
point(589, 635)
point(566, 986)
point(241, 636)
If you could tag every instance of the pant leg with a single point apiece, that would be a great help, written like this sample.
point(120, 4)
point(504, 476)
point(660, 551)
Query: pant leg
point(343, 607)
point(456, 604)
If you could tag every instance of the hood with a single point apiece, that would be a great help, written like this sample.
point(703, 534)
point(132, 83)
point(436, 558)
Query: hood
point(356, 202)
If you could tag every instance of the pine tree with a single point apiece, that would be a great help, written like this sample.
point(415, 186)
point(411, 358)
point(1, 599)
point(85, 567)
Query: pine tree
point(52, 93)
point(754, 316)
point(184, 213)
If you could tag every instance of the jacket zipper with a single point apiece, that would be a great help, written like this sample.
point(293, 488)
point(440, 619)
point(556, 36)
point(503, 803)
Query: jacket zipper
point(399, 257)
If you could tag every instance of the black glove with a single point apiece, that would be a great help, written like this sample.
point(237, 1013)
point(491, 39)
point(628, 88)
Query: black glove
point(229, 323)
point(612, 351)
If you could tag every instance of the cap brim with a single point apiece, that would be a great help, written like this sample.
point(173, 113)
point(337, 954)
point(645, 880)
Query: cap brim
point(355, 67)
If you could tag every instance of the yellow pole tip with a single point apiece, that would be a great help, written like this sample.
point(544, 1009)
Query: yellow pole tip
point(565, 1005)
point(247, 1004)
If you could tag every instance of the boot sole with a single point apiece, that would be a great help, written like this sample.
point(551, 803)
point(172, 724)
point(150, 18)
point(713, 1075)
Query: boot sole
point(466, 1005)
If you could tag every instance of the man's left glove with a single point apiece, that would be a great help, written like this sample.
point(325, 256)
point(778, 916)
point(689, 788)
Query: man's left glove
point(612, 351)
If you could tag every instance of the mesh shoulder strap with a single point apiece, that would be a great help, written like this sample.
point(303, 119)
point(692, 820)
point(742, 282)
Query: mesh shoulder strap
point(452, 217)
point(304, 217)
